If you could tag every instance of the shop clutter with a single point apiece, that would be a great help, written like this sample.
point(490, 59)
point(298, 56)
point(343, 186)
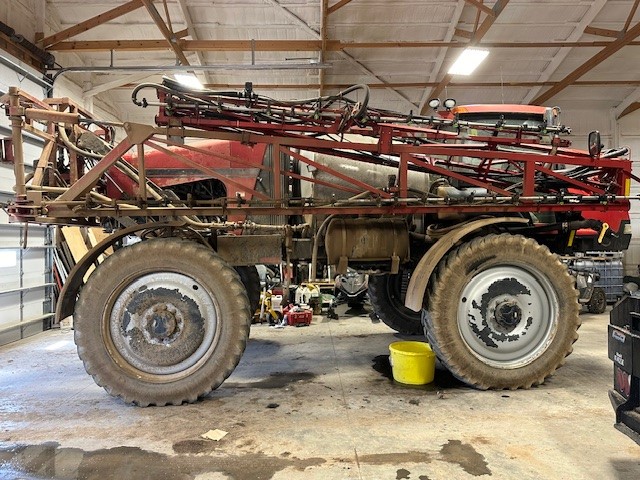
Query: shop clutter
point(307, 300)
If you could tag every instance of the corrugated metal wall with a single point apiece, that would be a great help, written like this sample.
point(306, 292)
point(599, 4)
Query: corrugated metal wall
point(26, 278)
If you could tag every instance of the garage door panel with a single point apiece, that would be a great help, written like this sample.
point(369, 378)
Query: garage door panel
point(9, 269)
point(33, 265)
point(8, 312)
point(25, 301)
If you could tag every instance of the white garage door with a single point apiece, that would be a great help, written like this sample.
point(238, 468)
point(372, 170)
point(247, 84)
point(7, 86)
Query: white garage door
point(26, 278)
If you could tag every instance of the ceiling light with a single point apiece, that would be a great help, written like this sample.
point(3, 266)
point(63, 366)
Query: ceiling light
point(188, 80)
point(468, 61)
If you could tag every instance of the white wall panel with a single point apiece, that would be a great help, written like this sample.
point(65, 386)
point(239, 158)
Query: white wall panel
point(629, 135)
point(626, 133)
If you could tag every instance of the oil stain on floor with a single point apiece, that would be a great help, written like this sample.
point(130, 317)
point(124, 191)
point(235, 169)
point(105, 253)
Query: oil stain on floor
point(49, 460)
point(275, 380)
point(454, 451)
point(194, 458)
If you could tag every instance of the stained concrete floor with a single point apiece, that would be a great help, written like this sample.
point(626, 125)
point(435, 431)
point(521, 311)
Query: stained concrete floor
point(312, 403)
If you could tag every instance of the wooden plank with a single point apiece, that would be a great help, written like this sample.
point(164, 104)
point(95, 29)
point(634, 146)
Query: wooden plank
point(631, 14)
point(91, 23)
point(603, 32)
point(75, 240)
point(481, 6)
point(324, 21)
point(297, 45)
point(95, 235)
point(107, 45)
point(463, 33)
point(630, 109)
point(77, 245)
point(598, 58)
point(166, 32)
point(337, 6)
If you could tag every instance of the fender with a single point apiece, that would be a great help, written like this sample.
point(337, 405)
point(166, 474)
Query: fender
point(75, 279)
point(429, 261)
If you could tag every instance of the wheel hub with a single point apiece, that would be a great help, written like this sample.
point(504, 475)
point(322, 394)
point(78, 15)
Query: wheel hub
point(508, 315)
point(163, 323)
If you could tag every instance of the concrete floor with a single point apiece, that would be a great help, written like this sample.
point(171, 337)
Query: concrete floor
point(307, 403)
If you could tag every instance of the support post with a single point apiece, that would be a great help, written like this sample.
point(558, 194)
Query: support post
point(142, 174)
point(18, 152)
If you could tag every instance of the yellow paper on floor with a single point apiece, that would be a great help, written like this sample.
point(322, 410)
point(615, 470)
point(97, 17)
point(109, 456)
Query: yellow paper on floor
point(214, 435)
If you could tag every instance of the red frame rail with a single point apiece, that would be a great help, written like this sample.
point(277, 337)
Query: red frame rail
point(513, 166)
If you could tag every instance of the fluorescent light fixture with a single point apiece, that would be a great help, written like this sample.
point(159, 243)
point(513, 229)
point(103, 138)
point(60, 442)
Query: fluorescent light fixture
point(468, 61)
point(188, 80)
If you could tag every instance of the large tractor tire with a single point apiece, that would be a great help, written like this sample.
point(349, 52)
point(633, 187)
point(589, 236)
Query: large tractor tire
point(164, 321)
point(385, 295)
point(503, 312)
point(251, 281)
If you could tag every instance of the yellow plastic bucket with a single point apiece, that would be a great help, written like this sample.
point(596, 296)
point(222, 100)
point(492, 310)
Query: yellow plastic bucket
point(413, 363)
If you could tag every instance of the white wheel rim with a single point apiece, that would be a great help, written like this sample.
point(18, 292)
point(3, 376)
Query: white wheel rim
point(508, 315)
point(162, 325)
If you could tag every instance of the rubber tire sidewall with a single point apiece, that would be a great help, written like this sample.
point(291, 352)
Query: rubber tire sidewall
point(251, 281)
point(457, 269)
point(598, 301)
point(389, 308)
point(146, 257)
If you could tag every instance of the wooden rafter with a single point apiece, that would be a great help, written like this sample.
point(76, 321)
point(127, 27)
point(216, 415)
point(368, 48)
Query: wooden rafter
point(489, 21)
point(337, 6)
point(91, 23)
point(442, 53)
point(294, 45)
point(631, 14)
point(463, 33)
point(628, 105)
point(588, 65)
point(316, 34)
point(113, 84)
point(481, 6)
point(630, 109)
point(324, 17)
point(607, 32)
point(603, 32)
point(191, 29)
point(20, 52)
point(169, 36)
point(477, 36)
point(477, 20)
point(564, 52)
